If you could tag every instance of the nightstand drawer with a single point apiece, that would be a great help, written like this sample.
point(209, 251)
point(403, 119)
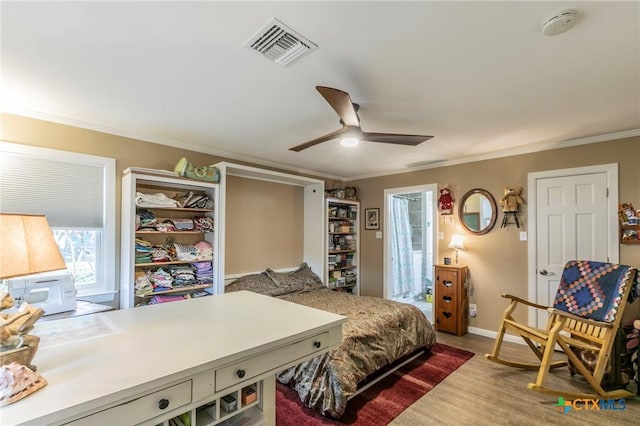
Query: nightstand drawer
point(143, 408)
point(249, 368)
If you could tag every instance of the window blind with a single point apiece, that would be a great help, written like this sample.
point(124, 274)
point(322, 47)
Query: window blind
point(70, 195)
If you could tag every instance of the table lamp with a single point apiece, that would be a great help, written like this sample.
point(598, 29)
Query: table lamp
point(456, 243)
point(27, 247)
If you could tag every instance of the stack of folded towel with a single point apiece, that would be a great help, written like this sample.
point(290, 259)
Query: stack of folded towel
point(155, 200)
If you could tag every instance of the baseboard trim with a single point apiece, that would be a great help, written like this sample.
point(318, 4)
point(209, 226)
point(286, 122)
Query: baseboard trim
point(492, 334)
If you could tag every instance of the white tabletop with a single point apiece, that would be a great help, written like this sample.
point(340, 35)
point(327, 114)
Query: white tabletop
point(133, 348)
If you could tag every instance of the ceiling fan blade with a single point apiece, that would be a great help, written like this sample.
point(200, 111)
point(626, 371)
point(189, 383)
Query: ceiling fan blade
point(397, 139)
point(321, 139)
point(341, 103)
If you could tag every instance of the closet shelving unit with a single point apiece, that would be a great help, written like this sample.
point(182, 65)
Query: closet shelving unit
point(149, 182)
point(343, 244)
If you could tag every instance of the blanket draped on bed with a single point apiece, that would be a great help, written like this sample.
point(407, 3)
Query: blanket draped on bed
point(377, 332)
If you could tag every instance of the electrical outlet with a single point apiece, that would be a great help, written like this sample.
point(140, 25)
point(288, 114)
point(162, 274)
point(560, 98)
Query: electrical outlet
point(472, 310)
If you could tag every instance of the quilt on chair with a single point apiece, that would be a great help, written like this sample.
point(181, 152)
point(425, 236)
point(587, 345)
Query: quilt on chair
point(594, 290)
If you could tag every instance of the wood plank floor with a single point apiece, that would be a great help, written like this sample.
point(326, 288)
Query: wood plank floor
point(482, 392)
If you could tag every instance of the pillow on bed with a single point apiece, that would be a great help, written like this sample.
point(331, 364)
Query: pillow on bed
point(301, 278)
point(257, 283)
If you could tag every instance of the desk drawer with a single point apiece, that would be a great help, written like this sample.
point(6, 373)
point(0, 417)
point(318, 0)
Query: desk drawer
point(247, 369)
point(143, 408)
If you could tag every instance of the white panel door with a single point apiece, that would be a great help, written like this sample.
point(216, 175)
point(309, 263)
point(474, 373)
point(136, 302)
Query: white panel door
point(571, 223)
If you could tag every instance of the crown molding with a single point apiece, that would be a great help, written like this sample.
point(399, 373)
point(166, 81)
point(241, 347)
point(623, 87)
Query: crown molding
point(167, 141)
point(526, 149)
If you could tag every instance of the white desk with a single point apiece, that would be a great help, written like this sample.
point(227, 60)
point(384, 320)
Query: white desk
point(189, 353)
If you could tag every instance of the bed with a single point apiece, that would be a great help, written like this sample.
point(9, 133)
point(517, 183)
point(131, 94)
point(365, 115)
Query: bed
point(378, 333)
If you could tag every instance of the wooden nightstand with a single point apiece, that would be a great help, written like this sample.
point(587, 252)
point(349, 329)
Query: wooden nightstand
point(452, 299)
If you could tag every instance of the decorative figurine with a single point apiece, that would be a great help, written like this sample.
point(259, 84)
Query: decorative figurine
point(16, 344)
point(445, 203)
point(18, 378)
point(511, 202)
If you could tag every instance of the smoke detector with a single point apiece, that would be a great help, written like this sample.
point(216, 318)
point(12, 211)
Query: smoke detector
point(560, 22)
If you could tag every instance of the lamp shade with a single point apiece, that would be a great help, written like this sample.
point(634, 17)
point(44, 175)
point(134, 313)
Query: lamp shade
point(27, 246)
point(457, 242)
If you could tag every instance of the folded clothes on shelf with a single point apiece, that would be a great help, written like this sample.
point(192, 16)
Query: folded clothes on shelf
point(203, 223)
point(191, 200)
point(145, 220)
point(183, 224)
point(158, 199)
point(161, 278)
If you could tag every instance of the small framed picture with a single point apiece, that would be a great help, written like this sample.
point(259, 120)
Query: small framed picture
point(372, 218)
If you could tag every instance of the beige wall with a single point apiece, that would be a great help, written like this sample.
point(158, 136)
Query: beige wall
point(497, 260)
point(264, 228)
point(266, 231)
point(264, 224)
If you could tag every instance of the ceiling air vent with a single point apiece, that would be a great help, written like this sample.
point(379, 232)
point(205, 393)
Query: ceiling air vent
point(279, 43)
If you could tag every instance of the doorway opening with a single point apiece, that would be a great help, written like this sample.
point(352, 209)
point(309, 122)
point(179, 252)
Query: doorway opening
point(409, 246)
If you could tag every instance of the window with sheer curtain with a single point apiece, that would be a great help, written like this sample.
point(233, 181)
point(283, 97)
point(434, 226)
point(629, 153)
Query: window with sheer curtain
point(76, 192)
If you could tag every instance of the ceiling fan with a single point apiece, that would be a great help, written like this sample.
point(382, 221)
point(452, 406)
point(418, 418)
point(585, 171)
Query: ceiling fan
point(351, 132)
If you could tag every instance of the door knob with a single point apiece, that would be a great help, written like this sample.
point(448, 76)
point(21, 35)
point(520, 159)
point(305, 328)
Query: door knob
point(544, 272)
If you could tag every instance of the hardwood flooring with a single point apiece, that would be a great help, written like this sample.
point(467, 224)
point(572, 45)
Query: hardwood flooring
point(482, 392)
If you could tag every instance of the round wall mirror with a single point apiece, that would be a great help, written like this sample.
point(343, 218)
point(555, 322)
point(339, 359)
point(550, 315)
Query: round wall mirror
point(477, 211)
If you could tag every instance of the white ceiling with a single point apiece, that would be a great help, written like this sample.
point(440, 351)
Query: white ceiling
point(479, 76)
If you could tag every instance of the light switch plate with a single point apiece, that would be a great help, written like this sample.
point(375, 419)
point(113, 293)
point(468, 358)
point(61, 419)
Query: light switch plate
point(523, 236)
point(379, 235)
point(441, 235)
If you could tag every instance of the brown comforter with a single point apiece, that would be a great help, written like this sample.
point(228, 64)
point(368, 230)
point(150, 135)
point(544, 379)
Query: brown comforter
point(377, 332)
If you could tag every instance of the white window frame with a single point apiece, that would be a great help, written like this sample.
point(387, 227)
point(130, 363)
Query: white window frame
point(105, 290)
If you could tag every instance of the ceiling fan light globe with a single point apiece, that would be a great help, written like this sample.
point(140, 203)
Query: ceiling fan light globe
point(349, 141)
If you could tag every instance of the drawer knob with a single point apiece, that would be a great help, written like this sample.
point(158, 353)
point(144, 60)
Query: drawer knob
point(317, 344)
point(163, 403)
point(240, 373)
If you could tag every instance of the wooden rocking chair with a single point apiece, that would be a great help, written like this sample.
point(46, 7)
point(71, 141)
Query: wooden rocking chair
point(584, 319)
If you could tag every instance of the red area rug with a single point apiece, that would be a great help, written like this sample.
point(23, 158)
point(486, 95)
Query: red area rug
point(382, 402)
